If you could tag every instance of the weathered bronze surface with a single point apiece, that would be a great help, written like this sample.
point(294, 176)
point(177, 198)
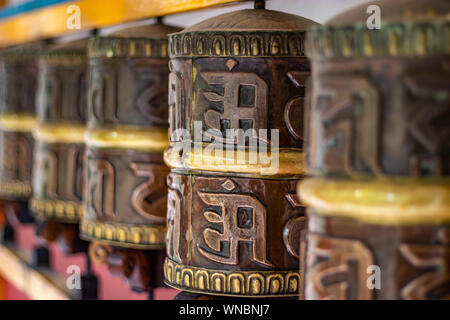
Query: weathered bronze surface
point(18, 78)
point(57, 176)
point(125, 189)
point(59, 152)
point(380, 98)
point(234, 228)
point(243, 235)
point(17, 120)
point(413, 260)
point(126, 198)
point(377, 141)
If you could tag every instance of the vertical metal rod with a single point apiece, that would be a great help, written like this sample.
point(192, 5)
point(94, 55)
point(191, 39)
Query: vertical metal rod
point(260, 4)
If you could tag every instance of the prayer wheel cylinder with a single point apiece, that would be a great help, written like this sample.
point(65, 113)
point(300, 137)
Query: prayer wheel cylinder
point(237, 83)
point(126, 192)
point(18, 72)
point(59, 151)
point(377, 141)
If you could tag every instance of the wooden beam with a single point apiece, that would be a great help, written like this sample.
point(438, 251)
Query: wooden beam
point(52, 21)
point(36, 285)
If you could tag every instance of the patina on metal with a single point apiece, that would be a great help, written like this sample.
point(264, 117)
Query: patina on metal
point(59, 149)
point(59, 153)
point(380, 98)
point(234, 227)
point(377, 142)
point(125, 188)
point(18, 72)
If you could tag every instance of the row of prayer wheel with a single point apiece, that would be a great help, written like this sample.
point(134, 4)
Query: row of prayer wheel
point(254, 154)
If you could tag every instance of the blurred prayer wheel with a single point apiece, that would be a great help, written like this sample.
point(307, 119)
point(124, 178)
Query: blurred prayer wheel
point(236, 86)
point(126, 195)
point(378, 144)
point(59, 151)
point(18, 74)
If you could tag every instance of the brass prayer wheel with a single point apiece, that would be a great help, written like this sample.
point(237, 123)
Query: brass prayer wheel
point(18, 74)
point(126, 192)
point(236, 86)
point(59, 150)
point(377, 144)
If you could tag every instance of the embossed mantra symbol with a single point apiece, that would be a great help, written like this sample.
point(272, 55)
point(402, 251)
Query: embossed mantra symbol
point(336, 267)
point(145, 198)
point(243, 91)
point(434, 258)
point(242, 218)
point(174, 200)
point(15, 162)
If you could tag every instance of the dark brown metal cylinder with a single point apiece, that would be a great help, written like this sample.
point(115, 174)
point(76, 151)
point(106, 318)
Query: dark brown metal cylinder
point(234, 227)
point(378, 148)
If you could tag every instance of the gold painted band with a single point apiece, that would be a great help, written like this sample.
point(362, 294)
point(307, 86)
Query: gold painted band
point(282, 161)
point(18, 122)
point(127, 137)
point(255, 283)
point(383, 202)
point(57, 210)
point(60, 133)
point(124, 235)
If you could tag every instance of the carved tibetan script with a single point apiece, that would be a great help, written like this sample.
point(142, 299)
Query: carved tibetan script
point(242, 218)
point(100, 189)
point(336, 269)
point(239, 101)
point(345, 124)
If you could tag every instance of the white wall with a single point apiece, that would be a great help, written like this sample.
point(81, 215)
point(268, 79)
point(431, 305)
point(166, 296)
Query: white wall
point(317, 10)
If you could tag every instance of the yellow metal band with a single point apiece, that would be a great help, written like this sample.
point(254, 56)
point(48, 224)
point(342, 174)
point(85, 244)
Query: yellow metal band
point(60, 133)
point(127, 137)
point(18, 122)
point(124, 235)
point(257, 283)
point(15, 189)
point(394, 202)
point(286, 162)
point(57, 210)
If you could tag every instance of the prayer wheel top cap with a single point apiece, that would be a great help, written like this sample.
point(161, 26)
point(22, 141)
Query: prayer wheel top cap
point(77, 45)
point(407, 28)
point(253, 20)
point(146, 41)
point(152, 31)
point(243, 33)
point(73, 52)
point(21, 53)
point(396, 11)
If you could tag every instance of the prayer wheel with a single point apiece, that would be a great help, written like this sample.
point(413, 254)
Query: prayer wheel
point(59, 151)
point(18, 72)
point(377, 141)
point(126, 193)
point(236, 87)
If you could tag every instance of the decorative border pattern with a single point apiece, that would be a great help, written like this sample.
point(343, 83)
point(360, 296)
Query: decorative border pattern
point(237, 44)
point(115, 47)
point(67, 211)
point(64, 57)
point(17, 189)
point(124, 235)
point(393, 39)
point(232, 283)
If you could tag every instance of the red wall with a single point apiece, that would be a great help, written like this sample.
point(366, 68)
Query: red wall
point(110, 287)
